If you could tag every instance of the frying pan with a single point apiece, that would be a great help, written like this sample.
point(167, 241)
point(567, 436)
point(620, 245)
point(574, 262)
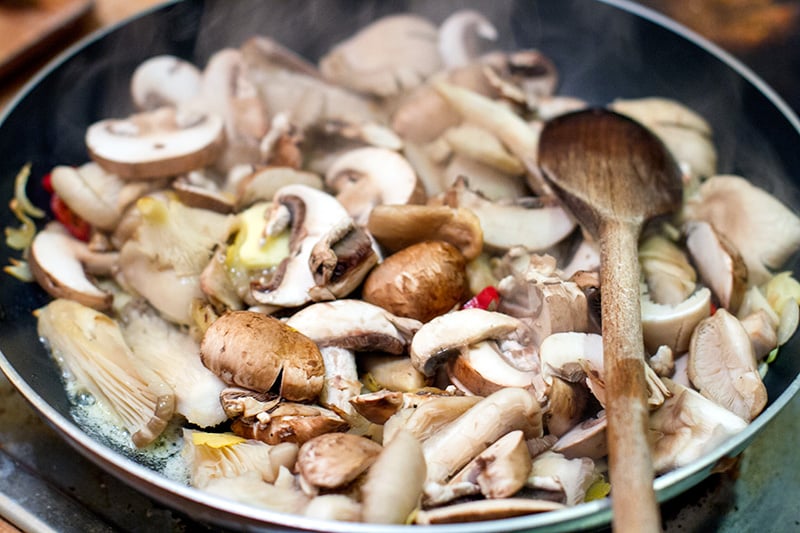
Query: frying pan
point(603, 49)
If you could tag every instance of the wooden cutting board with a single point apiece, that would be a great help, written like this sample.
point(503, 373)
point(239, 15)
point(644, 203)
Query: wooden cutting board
point(28, 26)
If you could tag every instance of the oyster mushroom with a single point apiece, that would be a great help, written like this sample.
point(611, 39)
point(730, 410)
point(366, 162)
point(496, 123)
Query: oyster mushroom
point(446, 335)
point(283, 495)
point(763, 230)
point(342, 327)
point(720, 266)
point(722, 365)
point(164, 80)
point(365, 177)
point(92, 351)
point(155, 144)
point(423, 415)
point(398, 226)
point(461, 440)
point(502, 223)
point(253, 350)
point(327, 254)
point(332, 460)
point(175, 357)
point(688, 426)
point(460, 34)
point(57, 259)
point(422, 281)
point(216, 455)
point(391, 55)
point(393, 485)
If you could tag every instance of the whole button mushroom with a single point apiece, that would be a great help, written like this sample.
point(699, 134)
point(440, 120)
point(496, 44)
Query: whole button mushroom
point(422, 281)
point(250, 350)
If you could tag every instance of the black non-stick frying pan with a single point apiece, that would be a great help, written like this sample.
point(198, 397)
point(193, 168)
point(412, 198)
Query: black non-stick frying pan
point(603, 50)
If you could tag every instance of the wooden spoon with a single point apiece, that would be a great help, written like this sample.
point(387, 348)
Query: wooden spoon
point(613, 174)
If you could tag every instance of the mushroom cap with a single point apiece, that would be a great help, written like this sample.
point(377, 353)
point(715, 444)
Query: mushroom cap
point(252, 350)
point(722, 365)
point(452, 331)
point(54, 261)
point(335, 459)
point(155, 144)
point(422, 281)
point(719, 264)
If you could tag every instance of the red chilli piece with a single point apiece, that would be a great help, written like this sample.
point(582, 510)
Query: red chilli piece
point(487, 299)
point(77, 227)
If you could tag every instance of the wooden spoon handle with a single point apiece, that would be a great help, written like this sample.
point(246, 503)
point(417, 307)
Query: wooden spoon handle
point(632, 498)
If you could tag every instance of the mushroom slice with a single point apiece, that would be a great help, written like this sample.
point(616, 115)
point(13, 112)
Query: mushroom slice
point(313, 216)
point(478, 144)
point(379, 406)
point(98, 197)
point(54, 258)
point(688, 426)
point(164, 80)
point(398, 226)
point(721, 267)
point(764, 231)
point(392, 372)
point(459, 37)
point(393, 485)
point(502, 222)
point(369, 133)
point(667, 325)
point(490, 182)
point(175, 357)
point(332, 460)
point(685, 133)
point(289, 422)
point(481, 510)
point(762, 333)
point(155, 144)
point(391, 55)
point(333, 507)
point(424, 415)
point(195, 194)
point(566, 405)
point(461, 440)
point(365, 177)
point(446, 334)
point(283, 496)
point(501, 469)
point(669, 276)
point(217, 455)
point(263, 183)
point(92, 352)
point(566, 479)
point(481, 369)
point(253, 350)
point(722, 365)
point(422, 281)
point(587, 439)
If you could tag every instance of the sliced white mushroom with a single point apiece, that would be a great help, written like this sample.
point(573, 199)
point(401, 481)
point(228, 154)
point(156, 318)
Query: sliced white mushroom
point(762, 333)
point(263, 183)
point(480, 510)
point(54, 258)
point(501, 470)
point(669, 277)
point(567, 403)
point(481, 369)
point(503, 223)
point(393, 485)
point(567, 478)
point(491, 183)
point(155, 144)
point(722, 365)
point(482, 146)
point(460, 35)
point(764, 231)
point(688, 426)
point(719, 264)
point(445, 334)
point(425, 415)
point(365, 177)
point(587, 439)
point(467, 436)
point(164, 80)
point(90, 349)
point(667, 325)
point(393, 54)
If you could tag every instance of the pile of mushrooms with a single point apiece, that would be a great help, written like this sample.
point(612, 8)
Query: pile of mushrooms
point(349, 286)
